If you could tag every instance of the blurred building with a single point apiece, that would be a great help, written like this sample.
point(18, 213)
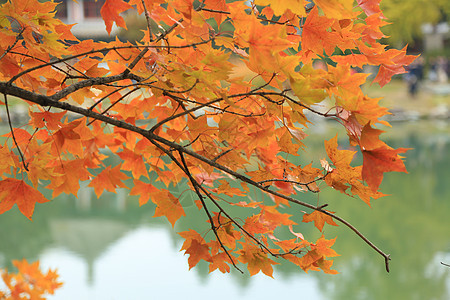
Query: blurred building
point(436, 37)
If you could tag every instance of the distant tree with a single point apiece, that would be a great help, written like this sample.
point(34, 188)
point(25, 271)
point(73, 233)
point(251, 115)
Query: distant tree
point(408, 17)
point(173, 105)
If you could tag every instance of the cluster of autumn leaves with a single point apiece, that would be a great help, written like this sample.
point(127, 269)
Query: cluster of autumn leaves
point(29, 282)
point(172, 105)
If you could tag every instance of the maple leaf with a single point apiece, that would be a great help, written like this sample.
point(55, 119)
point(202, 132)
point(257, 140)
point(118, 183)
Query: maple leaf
point(319, 219)
point(9, 65)
point(372, 31)
point(220, 261)
point(340, 158)
point(133, 162)
point(110, 13)
point(195, 246)
point(370, 7)
point(370, 138)
point(256, 259)
point(315, 35)
point(21, 136)
point(378, 157)
point(325, 266)
point(226, 232)
point(14, 191)
point(168, 205)
point(45, 118)
point(355, 60)
point(68, 176)
point(144, 190)
point(197, 251)
point(400, 60)
point(365, 192)
point(66, 138)
point(226, 189)
point(109, 179)
point(272, 218)
point(322, 246)
point(381, 160)
point(337, 9)
point(6, 159)
point(280, 7)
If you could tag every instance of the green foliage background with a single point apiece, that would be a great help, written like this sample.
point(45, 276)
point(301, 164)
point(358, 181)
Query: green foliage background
point(407, 17)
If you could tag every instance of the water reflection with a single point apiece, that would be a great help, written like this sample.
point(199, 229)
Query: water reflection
point(112, 249)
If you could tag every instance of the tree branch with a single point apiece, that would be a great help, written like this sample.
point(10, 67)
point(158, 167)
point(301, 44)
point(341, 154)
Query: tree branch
point(48, 101)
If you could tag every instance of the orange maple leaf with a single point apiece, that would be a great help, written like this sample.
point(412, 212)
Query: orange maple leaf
point(340, 158)
point(15, 191)
point(400, 60)
point(378, 157)
point(280, 7)
point(319, 219)
point(370, 7)
point(338, 9)
point(323, 247)
point(48, 119)
point(370, 138)
point(226, 232)
point(219, 261)
point(133, 162)
point(110, 13)
point(256, 259)
point(197, 251)
point(6, 159)
point(379, 161)
point(355, 60)
point(315, 35)
point(271, 218)
point(144, 190)
point(108, 179)
point(168, 206)
point(325, 266)
point(195, 246)
point(66, 138)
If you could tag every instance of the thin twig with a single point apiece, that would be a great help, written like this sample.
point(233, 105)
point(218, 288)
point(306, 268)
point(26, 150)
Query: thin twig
point(144, 51)
point(222, 154)
point(12, 133)
point(183, 166)
point(67, 58)
point(13, 44)
point(114, 103)
point(149, 24)
point(296, 182)
point(197, 187)
point(236, 223)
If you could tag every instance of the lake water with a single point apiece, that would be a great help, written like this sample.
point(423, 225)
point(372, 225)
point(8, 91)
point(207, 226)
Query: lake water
point(112, 249)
